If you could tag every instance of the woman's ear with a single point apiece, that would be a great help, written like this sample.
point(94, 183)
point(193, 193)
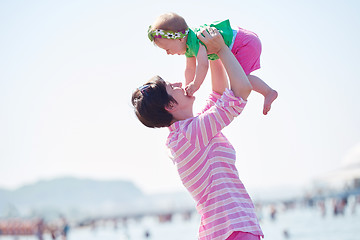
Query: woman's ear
point(170, 107)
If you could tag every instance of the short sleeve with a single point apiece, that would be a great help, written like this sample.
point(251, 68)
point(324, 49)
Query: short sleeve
point(192, 44)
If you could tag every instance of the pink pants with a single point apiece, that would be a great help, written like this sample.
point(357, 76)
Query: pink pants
point(247, 50)
point(243, 236)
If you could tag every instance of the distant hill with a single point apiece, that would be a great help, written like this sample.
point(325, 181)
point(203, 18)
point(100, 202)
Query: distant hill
point(64, 194)
point(78, 198)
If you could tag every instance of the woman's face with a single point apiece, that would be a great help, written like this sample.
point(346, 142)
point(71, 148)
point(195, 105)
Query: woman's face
point(178, 93)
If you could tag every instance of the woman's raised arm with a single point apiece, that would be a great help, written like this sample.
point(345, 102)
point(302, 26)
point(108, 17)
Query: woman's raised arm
point(239, 83)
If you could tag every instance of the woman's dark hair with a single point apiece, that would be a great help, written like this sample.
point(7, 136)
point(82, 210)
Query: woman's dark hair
point(149, 103)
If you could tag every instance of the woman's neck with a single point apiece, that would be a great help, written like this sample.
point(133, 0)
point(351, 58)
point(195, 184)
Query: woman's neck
point(183, 115)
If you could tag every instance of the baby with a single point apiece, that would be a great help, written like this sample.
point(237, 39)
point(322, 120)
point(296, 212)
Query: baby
point(171, 33)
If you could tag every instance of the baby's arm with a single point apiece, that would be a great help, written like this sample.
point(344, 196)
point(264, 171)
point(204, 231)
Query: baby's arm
point(190, 70)
point(200, 73)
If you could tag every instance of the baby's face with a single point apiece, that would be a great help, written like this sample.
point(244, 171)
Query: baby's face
point(172, 46)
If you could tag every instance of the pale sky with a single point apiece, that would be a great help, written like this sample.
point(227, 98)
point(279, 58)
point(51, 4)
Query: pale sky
point(68, 69)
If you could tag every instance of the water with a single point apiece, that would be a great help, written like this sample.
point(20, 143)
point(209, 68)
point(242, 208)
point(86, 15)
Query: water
point(309, 224)
point(301, 223)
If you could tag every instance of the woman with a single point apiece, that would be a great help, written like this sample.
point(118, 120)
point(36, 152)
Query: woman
point(204, 158)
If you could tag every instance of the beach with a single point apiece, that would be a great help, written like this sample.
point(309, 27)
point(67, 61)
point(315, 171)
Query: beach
point(295, 221)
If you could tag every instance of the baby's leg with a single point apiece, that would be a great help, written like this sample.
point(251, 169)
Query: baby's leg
point(247, 50)
point(261, 87)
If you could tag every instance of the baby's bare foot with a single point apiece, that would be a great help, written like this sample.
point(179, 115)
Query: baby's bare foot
point(269, 98)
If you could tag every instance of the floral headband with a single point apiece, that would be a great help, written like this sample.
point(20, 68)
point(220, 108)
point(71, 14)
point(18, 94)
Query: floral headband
point(167, 34)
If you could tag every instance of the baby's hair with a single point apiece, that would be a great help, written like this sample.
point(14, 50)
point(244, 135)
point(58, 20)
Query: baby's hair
point(149, 103)
point(170, 21)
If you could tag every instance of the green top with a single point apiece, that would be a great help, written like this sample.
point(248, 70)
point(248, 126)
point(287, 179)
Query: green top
point(192, 43)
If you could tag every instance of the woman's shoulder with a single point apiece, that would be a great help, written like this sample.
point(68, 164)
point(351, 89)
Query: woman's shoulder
point(181, 125)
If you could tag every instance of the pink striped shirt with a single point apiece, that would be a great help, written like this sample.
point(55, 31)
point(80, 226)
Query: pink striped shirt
point(205, 161)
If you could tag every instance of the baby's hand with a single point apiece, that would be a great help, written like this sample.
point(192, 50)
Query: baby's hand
point(191, 88)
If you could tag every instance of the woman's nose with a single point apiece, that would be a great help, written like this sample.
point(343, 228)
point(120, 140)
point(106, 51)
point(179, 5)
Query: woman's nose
point(178, 84)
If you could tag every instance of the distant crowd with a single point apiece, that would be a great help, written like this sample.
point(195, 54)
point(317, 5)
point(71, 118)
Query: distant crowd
point(35, 227)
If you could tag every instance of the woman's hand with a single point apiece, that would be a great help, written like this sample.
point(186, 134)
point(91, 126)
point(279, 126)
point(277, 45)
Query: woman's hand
point(213, 40)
